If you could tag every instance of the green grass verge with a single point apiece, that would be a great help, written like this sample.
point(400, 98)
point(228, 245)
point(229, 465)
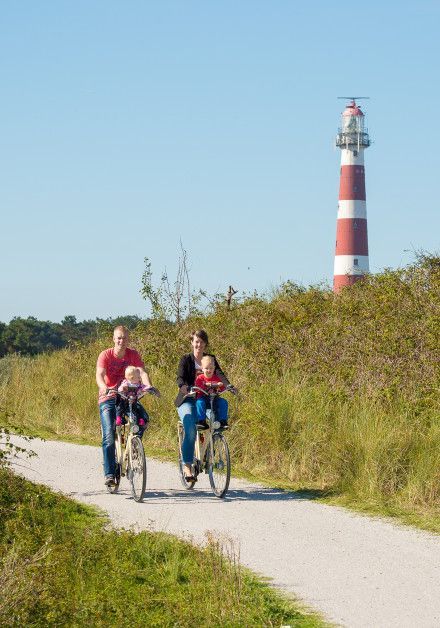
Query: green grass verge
point(61, 565)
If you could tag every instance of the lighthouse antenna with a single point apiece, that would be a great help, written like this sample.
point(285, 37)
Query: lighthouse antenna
point(353, 97)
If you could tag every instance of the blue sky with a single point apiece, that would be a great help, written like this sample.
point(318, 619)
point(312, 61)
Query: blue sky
point(127, 126)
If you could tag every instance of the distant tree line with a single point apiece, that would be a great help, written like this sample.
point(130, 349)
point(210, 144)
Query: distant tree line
point(30, 336)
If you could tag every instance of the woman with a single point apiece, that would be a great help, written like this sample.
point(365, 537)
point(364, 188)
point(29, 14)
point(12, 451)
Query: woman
point(189, 368)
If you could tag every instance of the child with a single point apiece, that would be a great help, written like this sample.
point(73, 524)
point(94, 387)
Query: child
point(132, 382)
point(204, 381)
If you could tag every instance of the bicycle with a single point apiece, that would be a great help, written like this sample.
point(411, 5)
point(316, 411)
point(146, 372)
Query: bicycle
point(129, 450)
point(211, 452)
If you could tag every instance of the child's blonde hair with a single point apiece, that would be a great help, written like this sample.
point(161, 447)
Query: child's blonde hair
point(207, 359)
point(130, 371)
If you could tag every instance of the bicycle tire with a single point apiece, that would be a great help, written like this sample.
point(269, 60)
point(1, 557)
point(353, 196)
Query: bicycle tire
point(118, 455)
point(137, 471)
point(219, 468)
point(187, 485)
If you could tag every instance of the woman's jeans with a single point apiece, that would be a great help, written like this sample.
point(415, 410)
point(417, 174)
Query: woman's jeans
point(188, 415)
point(107, 411)
point(220, 409)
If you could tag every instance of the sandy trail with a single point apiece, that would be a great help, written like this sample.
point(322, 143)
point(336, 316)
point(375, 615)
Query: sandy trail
point(357, 571)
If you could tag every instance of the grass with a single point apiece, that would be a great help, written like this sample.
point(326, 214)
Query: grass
point(60, 565)
point(361, 453)
point(339, 395)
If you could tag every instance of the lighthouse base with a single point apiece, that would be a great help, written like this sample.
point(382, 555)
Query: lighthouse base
point(342, 281)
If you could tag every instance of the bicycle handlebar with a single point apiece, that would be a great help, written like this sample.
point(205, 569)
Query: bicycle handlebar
point(213, 387)
point(125, 395)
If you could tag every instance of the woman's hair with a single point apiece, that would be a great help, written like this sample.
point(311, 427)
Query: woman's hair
point(200, 333)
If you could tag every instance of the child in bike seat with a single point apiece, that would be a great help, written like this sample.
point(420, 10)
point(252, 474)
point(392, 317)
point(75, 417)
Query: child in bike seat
point(131, 383)
point(204, 381)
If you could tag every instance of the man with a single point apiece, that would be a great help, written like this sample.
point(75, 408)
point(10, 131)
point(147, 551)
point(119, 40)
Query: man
point(110, 370)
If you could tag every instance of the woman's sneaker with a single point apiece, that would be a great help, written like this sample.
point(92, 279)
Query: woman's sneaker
point(110, 480)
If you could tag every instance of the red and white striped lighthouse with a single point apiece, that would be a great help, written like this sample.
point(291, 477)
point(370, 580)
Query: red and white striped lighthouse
point(351, 256)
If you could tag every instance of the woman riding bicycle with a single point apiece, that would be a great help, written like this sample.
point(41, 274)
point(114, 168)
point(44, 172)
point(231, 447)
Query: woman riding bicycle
point(189, 367)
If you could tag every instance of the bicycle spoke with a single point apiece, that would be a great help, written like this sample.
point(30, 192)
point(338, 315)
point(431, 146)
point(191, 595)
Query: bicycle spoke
point(219, 465)
point(138, 469)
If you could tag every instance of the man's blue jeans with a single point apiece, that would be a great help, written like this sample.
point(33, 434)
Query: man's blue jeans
point(107, 412)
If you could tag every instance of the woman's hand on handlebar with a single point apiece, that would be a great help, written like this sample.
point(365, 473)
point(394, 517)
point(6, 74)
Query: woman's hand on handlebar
point(230, 388)
point(190, 391)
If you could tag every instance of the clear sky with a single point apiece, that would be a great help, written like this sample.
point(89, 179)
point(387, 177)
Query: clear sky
point(127, 126)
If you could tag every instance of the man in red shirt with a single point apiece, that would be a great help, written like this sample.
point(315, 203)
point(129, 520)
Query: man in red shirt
point(110, 370)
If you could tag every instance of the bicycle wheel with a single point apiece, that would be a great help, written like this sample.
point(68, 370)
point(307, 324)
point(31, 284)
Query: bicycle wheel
point(137, 469)
point(118, 457)
point(185, 483)
point(219, 465)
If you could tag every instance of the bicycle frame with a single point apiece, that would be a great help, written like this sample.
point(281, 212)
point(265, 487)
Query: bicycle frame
point(123, 449)
point(211, 452)
point(129, 451)
point(202, 442)
point(122, 444)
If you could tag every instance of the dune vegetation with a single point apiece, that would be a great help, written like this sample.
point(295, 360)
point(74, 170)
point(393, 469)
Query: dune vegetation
point(339, 394)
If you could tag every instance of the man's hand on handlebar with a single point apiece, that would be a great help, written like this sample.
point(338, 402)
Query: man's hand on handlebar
point(151, 390)
point(104, 391)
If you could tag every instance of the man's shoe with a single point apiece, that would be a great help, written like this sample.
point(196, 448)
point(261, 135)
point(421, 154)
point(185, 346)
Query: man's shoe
point(203, 425)
point(110, 480)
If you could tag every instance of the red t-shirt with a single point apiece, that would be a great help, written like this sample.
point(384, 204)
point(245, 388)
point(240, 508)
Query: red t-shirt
point(115, 368)
point(203, 382)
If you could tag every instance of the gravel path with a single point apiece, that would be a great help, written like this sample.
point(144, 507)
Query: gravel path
point(357, 571)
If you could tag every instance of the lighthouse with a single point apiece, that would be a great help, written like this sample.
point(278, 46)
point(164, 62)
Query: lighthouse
point(351, 255)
